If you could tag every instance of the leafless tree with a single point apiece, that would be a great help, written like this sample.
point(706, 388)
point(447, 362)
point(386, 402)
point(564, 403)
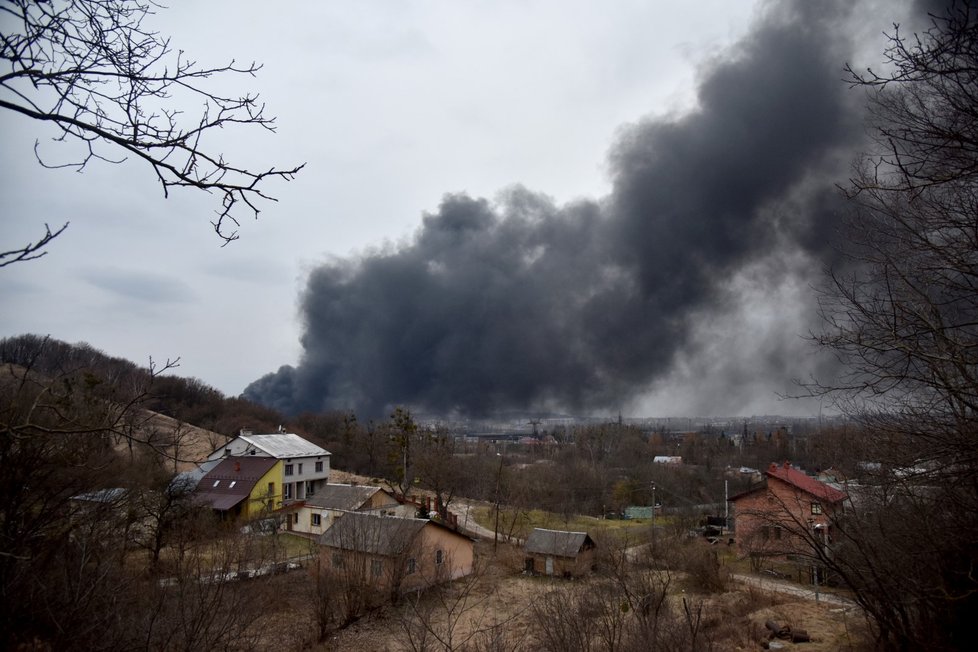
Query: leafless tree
point(438, 468)
point(903, 317)
point(70, 510)
point(31, 250)
point(203, 602)
point(161, 508)
point(454, 615)
point(97, 71)
point(57, 443)
point(402, 438)
point(367, 558)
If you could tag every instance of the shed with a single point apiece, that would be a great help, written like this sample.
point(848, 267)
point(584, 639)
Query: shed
point(556, 552)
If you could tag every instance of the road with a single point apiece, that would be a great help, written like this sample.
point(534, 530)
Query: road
point(789, 588)
point(466, 520)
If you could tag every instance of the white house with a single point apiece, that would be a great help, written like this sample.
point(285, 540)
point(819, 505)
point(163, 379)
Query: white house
point(317, 513)
point(305, 466)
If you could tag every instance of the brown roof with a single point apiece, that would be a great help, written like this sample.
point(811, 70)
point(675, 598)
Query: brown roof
point(808, 484)
point(231, 481)
point(557, 542)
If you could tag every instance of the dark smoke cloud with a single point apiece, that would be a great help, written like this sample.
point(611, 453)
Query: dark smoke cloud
point(522, 304)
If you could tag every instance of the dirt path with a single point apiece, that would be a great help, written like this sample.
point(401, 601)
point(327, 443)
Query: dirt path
point(796, 590)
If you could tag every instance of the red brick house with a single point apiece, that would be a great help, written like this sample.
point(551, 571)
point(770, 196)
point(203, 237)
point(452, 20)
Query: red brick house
point(787, 515)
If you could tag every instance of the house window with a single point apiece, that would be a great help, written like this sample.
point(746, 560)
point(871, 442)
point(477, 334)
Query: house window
point(816, 508)
point(376, 567)
point(412, 565)
point(288, 491)
point(771, 532)
point(319, 467)
point(271, 488)
point(439, 556)
point(337, 560)
point(317, 520)
point(288, 469)
point(300, 468)
point(231, 486)
point(217, 482)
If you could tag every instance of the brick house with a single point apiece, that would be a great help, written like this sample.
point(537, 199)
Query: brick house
point(787, 515)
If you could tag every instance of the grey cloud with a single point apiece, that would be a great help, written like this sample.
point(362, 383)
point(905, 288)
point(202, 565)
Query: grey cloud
point(143, 286)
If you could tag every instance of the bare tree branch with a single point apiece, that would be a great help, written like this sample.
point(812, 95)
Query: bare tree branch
point(92, 69)
point(32, 250)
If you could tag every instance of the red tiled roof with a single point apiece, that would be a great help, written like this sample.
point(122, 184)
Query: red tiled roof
point(789, 474)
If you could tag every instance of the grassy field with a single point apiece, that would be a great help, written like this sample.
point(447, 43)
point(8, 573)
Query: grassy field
point(521, 522)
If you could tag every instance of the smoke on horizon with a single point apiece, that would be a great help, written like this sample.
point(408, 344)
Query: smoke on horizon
point(696, 266)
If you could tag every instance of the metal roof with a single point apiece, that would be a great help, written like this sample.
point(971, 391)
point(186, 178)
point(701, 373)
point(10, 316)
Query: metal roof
point(231, 481)
point(343, 496)
point(557, 542)
point(220, 502)
point(376, 535)
point(283, 445)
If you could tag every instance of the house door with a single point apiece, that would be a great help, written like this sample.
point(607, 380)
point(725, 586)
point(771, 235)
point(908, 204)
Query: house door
point(550, 565)
point(528, 565)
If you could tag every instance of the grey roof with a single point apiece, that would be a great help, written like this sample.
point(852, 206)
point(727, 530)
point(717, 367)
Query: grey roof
point(284, 445)
point(557, 542)
point(388, 536)
point(342, 496)
point(190, 479)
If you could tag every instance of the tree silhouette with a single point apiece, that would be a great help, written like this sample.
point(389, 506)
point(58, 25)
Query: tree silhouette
point(116, 88)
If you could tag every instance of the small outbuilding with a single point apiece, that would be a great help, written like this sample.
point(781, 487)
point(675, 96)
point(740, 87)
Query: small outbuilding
point(556, 552)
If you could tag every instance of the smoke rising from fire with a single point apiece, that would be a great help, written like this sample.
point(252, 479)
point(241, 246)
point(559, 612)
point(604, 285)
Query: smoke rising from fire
point(695, 266)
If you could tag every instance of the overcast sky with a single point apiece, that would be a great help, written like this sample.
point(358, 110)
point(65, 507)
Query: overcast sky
point(391, 105)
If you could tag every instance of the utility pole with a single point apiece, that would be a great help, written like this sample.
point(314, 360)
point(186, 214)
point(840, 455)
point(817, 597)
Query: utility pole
point(726, 504)
point(653, 518)
point(495, 537)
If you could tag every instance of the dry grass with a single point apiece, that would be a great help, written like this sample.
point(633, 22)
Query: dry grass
point(527, 520)
point(733, 620)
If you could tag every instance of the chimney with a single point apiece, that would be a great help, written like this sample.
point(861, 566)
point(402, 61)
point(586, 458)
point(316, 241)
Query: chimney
point(237, 467)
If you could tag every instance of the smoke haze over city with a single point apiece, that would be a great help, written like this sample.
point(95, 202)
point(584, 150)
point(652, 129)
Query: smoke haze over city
point(695, 272)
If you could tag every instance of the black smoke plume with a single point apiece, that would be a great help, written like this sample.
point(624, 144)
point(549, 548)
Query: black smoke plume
point(523, 304)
